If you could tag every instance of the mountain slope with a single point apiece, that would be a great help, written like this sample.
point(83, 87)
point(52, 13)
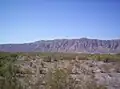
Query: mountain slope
point(66, 45)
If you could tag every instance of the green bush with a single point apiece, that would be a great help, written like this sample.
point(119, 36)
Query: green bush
point(8, 71)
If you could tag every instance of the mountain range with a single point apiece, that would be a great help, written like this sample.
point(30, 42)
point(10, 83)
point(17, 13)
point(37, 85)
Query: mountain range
point(82, 45)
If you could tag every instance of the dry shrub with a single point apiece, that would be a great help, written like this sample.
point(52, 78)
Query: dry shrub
point(61, 79)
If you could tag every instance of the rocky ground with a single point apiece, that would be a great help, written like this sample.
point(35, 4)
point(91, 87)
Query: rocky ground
point(34, 69)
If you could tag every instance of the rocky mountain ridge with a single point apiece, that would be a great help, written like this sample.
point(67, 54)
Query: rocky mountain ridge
point(83, 45)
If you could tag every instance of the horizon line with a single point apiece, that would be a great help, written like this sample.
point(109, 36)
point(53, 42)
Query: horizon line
point(58, 39)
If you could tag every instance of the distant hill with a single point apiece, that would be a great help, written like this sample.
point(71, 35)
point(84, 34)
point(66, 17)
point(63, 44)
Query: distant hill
point(83, 45)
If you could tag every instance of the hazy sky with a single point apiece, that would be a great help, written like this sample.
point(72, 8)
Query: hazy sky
point(32, 20)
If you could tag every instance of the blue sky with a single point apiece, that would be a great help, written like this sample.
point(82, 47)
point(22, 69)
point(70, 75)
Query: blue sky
point(31, 20)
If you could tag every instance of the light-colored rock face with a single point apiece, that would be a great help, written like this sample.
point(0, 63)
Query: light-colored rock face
point(107, 74)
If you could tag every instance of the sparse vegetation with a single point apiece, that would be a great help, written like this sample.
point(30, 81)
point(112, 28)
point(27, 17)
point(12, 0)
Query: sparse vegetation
point(61, 79)
point(56, 79)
